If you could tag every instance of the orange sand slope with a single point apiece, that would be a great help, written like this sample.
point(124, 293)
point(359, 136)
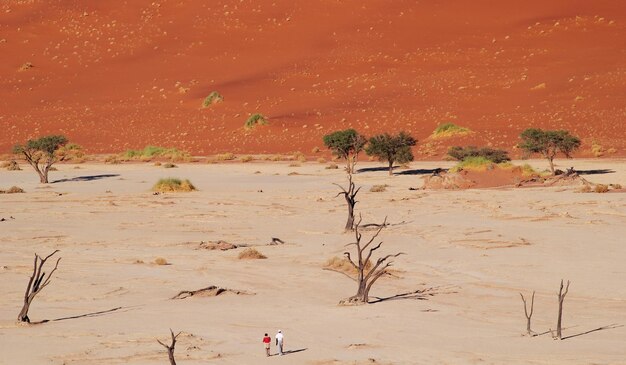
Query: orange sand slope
point(113, 75)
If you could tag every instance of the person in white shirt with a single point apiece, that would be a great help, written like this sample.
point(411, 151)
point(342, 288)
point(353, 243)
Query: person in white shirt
point(279, 342)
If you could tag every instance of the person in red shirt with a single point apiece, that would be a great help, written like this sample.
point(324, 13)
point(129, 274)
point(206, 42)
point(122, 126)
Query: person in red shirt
point(266, 341)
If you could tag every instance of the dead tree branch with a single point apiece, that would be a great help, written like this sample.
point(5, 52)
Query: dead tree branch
point(349, 194)
point(527, 313)
point(170, 348)
point(36, 283)
point(562, 295)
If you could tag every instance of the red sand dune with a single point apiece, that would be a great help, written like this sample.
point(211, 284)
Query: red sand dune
point(113, 75)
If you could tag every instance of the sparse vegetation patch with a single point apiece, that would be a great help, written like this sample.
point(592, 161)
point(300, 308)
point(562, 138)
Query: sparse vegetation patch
point(251, 254)
point(254, 120)
point(213, 98)
point(12, 190)
point(151, 152)
point(449, 130)
point(173, 185)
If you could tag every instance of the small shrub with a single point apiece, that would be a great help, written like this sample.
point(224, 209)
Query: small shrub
point(169, 165)
point(112, 159)
point(527, 170)
point(493, 155)
point(161, 261)
point(13, 190)
point(254, 120)
point(150, 152)
point(473, 163)
point(596, 149)
point(332, 166)
point(379, 188)
point(11, 165)
point(247, 159)
point(449, 130)
point(213, 98)
point(601, 188)
point(251, 254)
point(173, 185)
point(71, 152)
point(225, 156)
point(321, 160)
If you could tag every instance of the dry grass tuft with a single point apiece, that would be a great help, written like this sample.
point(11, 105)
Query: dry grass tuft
point(332, 166)
point(247, 159)
point(10, 165)
point(13, 190)
point(342, 264)
point(321, 160)
point(173, 185)
point(169, 165)
point(379, 188)
point(449, 130)
point(225, 156)
point(251, 254)
point(161, 261)
point(601, 188)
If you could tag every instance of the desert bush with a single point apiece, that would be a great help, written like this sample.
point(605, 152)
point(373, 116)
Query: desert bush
point(150, 152)
point(601, 188)
point(12, 190)
point(391, 149)
point(246, 159)
point(71, 152)
point(160, 261)
point(449, 130)
point(41, 153)
point(213, 98)
point(596, 149)
point(169, 165)
point(173, 185)
point(11, 165)
point(473, 163)
point(225, 156)
point(379, 188)
point(254, 120)
point(527, 170)
point(251, 254)
point(112, 159)
point(332, 166)
point(494, 155)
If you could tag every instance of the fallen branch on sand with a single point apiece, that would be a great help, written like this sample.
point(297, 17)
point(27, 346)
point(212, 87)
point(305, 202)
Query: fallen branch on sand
point(210, 291)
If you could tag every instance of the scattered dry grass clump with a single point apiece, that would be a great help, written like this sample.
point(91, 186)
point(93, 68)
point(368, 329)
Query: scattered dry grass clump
point(225, 156)
point(169, 165)
point(247, 159)
point(332, 166)
point(449, 130)
point(255, 120)
point(251, 254)
point(213, 98)
point(379, 188)
point(173, 185)
point(596, 149)
point(112, 159)
point(342, 264)
point(601, 188)
point(321, 160)
point(161, 261)
point(10, 165)
point(13, 190)
point(315, 150)
point(71, 152)
point(153, 152)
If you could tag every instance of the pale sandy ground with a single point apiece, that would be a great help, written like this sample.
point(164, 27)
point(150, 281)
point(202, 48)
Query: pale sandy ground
point(480, 247)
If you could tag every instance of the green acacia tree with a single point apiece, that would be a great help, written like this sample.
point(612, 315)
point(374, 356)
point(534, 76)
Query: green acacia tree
point(41, 153)
point(549, 143)
point(346, 144)
point(391, 148)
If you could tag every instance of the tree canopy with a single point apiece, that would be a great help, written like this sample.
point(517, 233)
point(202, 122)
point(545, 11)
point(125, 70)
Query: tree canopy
point(345, 144)
point(40, 153)
point(391, 148)
point(549, 143)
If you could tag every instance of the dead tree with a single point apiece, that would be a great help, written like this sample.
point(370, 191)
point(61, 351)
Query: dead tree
point(350, 196)
point(37, 282)
point(366, 277)
point(562, 295)
point(170, 348)
point(527, 313)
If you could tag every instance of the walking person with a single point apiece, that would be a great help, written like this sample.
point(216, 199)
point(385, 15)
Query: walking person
point(266, 342)
point(279, 342)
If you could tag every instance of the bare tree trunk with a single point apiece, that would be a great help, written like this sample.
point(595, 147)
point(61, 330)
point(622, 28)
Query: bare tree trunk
point(529, 314)
point(350, 196)
point(390, 167)
point(170, 348)
point(367, 277)
point(36, 284)
point(561, 298)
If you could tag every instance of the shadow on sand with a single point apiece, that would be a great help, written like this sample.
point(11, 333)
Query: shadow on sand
point(292, 351)
point(86, 178)
point(86, 315)
point(420, 294)
point(595, 172)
